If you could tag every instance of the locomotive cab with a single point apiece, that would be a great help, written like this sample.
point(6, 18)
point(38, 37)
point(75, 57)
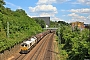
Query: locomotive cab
point(24, 48)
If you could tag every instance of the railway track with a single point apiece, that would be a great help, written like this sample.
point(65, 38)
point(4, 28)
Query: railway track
point(40, 51)
point(48, 53)
point(19, 57)
point(35, 55)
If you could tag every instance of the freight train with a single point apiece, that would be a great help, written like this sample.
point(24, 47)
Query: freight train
point(26, 46)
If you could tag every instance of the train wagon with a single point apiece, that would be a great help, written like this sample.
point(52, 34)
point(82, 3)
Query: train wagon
point(26, 46)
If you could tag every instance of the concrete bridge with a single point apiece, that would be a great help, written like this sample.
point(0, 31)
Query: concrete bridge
point(50, 28)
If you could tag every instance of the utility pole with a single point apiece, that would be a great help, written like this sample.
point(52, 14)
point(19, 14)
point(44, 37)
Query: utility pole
point(59, 39)
point(7, 29)
point(59, 34)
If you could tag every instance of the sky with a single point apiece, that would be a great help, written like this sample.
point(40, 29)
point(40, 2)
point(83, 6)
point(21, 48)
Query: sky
point(58, 10)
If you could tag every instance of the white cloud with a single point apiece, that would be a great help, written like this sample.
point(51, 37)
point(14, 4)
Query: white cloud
point(64, 15)
point(76, 17)
point(51, 1)
point(56, 19)
point(63, 10)
point(74, 20)
point(88, 17)
point(61, 1)
point(73, 15)
point(75, 3)
point(46, 14)
point(84, 10)
point(46, 1)
point(32, 16)
point(87, 2)
point(44, 10)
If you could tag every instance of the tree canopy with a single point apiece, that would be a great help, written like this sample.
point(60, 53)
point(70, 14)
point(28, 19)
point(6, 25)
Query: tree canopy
point(15, 27)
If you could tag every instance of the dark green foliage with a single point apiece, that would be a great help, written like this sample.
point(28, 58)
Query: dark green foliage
point(76, 43)
point(63, 22)
point(41, 22)
point(53, 24)
point(56, 24)
point(2, 3)
point(20, 27)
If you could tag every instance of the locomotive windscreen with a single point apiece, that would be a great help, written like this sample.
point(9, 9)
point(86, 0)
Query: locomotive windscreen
point(24, 44)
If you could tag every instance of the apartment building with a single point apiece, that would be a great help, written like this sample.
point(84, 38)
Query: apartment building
point(78, 24)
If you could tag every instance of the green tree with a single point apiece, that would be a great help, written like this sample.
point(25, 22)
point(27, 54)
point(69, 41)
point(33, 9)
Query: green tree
point(41, 22)
point(2, 3)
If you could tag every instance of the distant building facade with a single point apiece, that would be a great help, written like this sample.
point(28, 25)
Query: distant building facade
point(78, 24)
point(46, 20)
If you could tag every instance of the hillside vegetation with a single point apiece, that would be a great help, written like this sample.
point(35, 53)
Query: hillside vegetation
point(15, 26)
